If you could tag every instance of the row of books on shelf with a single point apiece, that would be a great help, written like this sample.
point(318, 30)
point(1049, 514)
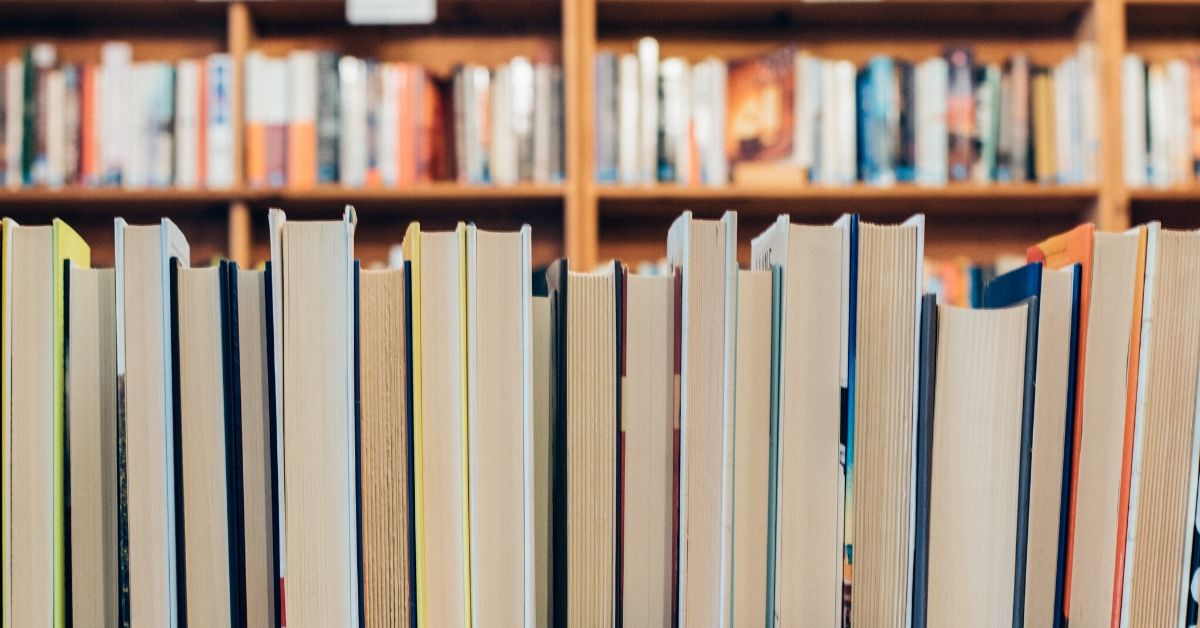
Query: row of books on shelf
point(311, 117)
point(791, 116)
point(810, 440)
point(1161, 105)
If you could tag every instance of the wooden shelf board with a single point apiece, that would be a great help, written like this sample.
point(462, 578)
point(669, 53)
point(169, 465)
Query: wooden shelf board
point(84, 197)
point(960, 199)
point(1181, 194)
point(437, 191)
point(783, 14)
point(451, 15)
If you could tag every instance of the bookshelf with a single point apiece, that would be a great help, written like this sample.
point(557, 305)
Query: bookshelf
point(579, 217)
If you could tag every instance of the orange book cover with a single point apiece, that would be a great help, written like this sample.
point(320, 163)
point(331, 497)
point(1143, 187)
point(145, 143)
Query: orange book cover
point(302, 154)
point(256, 153)
point(406, 127)
point(1131, 385)
point(87, 126)
point(202, 134)
point(759, 106)
point(1072, 247)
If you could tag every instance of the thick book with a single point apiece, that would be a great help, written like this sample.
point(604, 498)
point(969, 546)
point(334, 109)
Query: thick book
point(1053, 419)
point(91, 405)
point(1164, 462)
point(704, 252)
point(880, 418)
point(649, 415)
point(982, 433)
point(812, 369)
point(384, 448)
point(313, 306)
point(500, 424)
point(752, 436)
point(146, 421)
point(208, 420)
point(586, 418)
point(35, 260)
point(440, 429)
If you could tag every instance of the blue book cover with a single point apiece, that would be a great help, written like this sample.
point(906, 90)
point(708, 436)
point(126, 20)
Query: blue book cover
point(876, 90)
point(773, 462)
point(847, 427)
point(1008, 289)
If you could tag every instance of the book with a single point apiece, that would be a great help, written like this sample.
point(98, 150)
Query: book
point(649, 423)
point(648, 86)
point(1164, 459)
point(759, 99)
point(704, 253)
point(302, 79)
point(880, 464)
point(586, 416)
point(960, 114)
point(315, 370)
point(1133, 120)
point(1058, 304)
point(753, 404)
point(628, 119)
point(500, 424)
point(979, 472)
point(147, 443)
point(932, 147)
point(1101, 476)
point(219, 131)
point(91, 404)
point(259, 453)
point(189, 125)
point(385, 435)
point(542, 507)
point(440, 424)
point(35, 262)
point(209, 437)
point(812, 367)
point(878, 125)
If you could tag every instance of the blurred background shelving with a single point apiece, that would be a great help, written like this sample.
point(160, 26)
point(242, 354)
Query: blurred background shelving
point(579, 217)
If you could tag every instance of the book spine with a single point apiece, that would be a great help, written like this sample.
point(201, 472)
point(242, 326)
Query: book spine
point(648, 98)
point(524, 99)
point(1019, 159)
point(72, 121)
point(253, 103)
point(375, 122)
point(628, 111)
point(352, 149)
point(14, 105)
point(328, 121)
point(1156, 102)
point(274, 91)
point(605, 77)
point(543, 121)
point(906, 120)
point(53, 128)
point(187, 88)
point(1133, 122)
point(988, 123)
point(960, 114)
point(302, 122)
point(846, 132)
point(219, 130)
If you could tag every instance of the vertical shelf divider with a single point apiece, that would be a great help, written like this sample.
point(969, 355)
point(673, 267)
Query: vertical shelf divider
point(1113, 210)
point(580, 216)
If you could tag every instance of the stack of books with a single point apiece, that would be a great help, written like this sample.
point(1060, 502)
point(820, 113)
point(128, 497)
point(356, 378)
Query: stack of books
point(316, 117)
point(794, 117)
point(117, 122)
point(814, 440)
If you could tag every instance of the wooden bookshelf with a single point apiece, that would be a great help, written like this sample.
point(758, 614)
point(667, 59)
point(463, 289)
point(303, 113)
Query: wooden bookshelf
point(578, 217)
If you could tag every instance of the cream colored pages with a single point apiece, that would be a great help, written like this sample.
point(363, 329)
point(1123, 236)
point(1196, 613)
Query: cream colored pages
point(881, 505)
point(496, 418)
point(92, 421)
point(317, 363)
point(384, 452)
point(975, 473)
point(443, 438)
point(202, 439)
point(591, 448)
point(1114, 263)
point(752, 441)
point(1049, 434)
point(258, 494)
point(32, 437)
point(1163, 467)
point(647, 401)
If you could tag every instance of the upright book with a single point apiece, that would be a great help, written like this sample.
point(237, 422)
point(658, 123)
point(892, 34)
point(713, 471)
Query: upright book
point(314, 292)
point(35, 262)
point(147, 443)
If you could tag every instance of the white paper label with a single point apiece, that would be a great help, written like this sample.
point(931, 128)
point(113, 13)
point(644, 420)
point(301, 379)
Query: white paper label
point(362, 12)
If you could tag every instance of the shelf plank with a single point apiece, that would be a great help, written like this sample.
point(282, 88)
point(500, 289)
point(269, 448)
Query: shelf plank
point(1179, 194)
point(816, 201)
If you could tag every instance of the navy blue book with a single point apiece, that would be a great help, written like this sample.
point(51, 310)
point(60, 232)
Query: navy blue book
point(1045, 480)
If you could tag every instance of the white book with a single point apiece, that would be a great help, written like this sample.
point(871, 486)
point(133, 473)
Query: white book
point(647, 55)
point(273, 95)
point(1089, 112)
point(144, 255)
point(543, 122)
point(704, 251)
point(1156, 98)
point(135, 106)
point(521, 87)
point(1133, 119)
point(302, 117)
point(14, 106)
point(387, 122)
point(1063, 122)
point(674, 120)
point(500, 426)
point(218, 122)
point(187, 123)
point(314, 309)
point(681, 126)
point(352, 145)
point(717, 163)
point(503, 157)
point(116, 128)
point(807, 107)
point(830, 140)
point(55, 119)
point(628, 121)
